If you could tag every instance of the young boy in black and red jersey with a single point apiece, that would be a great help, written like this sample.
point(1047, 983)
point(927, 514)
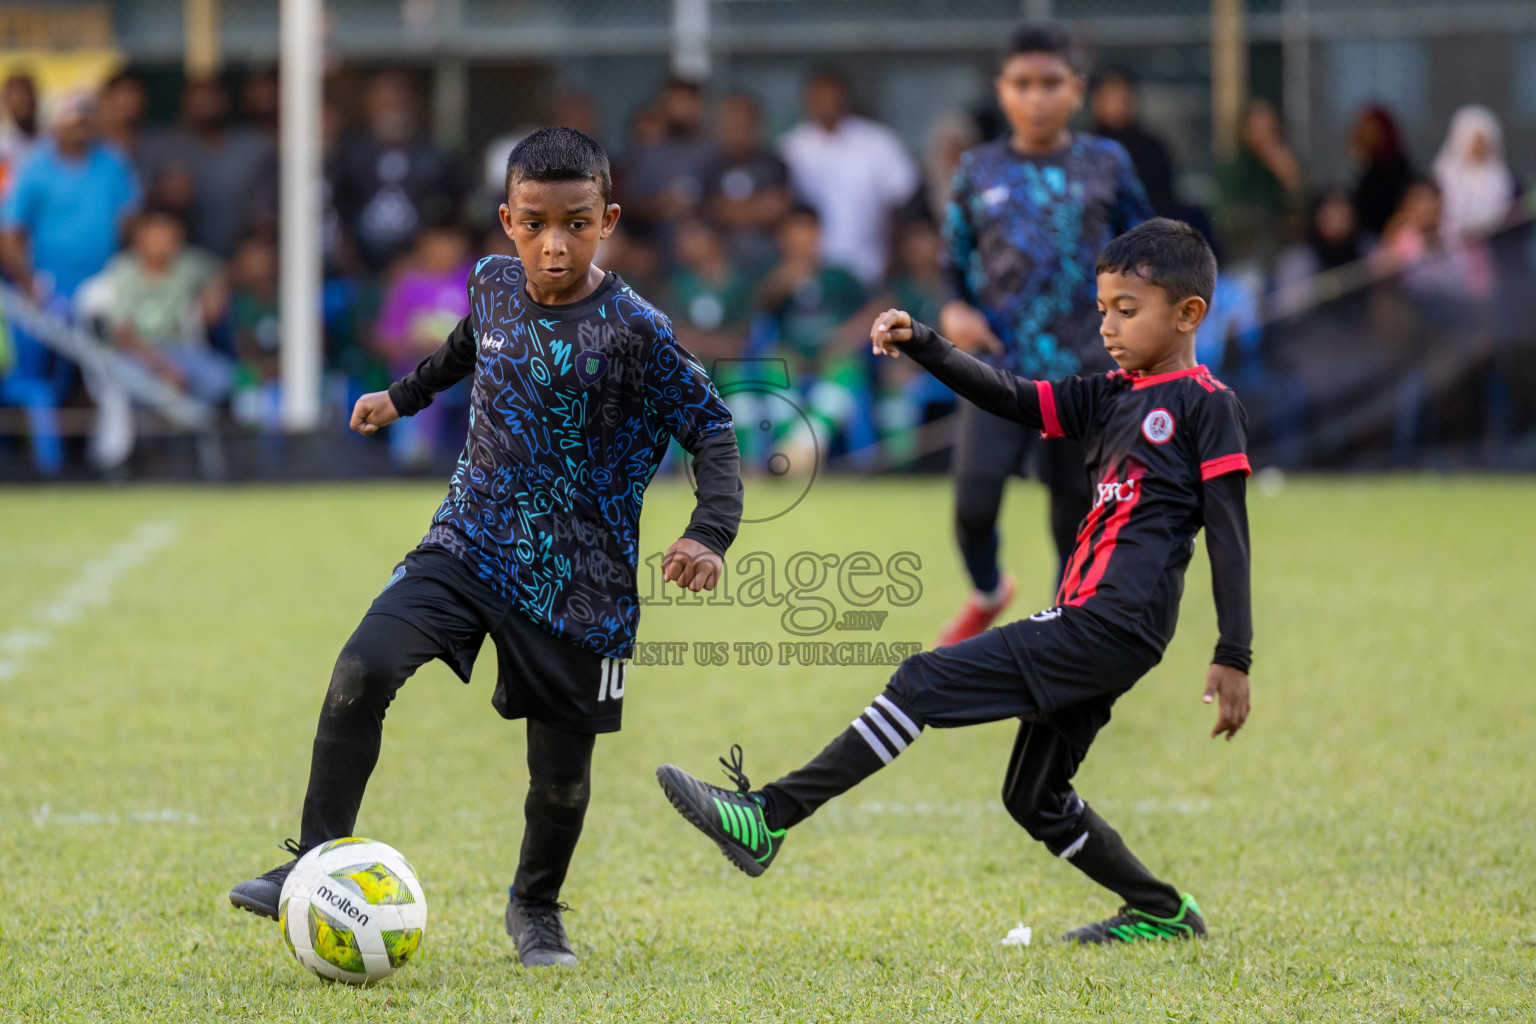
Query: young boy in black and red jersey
point(579, 388)
point(1165, 449)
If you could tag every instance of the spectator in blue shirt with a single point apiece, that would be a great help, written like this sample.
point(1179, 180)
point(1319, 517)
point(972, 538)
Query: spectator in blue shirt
point(62, 218)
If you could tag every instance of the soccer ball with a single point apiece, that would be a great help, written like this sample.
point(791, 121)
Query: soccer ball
point(352, 910)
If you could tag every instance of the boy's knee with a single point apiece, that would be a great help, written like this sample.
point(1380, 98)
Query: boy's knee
point(560, 795)
point(908, 685)
point(975, 521)
point(1052, 818)
point(356, 682)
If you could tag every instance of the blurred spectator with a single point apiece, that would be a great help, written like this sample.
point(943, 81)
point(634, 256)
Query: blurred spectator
point(120, 112)
point(161, 297)
point(1116, 115)
point(908, 394)
point(255, 320)
point(388, 180)
point(1385, 173)
point(19, 133)
point(709, 295)
point(1257, 190)
point(814, 306)
point(223, 176)
point(260, 101)
point(1332, 241)
point(421, 308)
point(1433, 262)
point(62, 218)
point(747, 187)
point(631, 258)
point(575, 109)
point(853, 171)
point(949, 136)
point(1476, 185)
point(666, 176)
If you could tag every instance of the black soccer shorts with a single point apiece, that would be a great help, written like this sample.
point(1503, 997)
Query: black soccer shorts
point(540, 676)
point(1035, 668)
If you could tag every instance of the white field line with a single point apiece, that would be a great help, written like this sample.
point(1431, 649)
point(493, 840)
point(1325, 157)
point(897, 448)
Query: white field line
point(91, 589)
point(45, 816)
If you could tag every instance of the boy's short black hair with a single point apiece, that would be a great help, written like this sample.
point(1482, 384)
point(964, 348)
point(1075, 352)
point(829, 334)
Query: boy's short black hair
point(559, 153)
point(802, 211)
point(1164, 252)
point(1042, 39)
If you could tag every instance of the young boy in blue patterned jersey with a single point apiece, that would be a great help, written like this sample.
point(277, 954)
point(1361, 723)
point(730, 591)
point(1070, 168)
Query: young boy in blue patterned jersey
point(579, 387)
point(1027, 217)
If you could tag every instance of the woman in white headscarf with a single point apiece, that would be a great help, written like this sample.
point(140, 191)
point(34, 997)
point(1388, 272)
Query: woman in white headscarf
point(1476, 185)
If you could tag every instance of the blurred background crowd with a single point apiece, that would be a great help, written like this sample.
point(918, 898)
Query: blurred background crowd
point(1376, 312)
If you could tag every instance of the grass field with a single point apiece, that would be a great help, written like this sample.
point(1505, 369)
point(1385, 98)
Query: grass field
point(1363, 850)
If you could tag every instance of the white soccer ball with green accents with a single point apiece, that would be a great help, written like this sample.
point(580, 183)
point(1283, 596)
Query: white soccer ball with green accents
point(352, 910)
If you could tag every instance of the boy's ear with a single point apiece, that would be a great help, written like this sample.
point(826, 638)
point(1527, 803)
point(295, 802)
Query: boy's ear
point(505, 213)
point(1191, 311)
point(610, 220)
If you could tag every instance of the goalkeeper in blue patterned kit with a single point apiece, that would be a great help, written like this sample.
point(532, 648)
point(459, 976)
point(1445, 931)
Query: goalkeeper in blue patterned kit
point(579, 387)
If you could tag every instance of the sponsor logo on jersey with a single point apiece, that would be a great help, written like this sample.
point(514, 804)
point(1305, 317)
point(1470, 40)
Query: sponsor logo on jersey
point(493, 342)
point(591, 365)
point(1047, 615)
point(1158, 426)
point(1113, 492)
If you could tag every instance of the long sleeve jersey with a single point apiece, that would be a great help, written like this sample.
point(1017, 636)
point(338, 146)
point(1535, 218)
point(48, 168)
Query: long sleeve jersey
point(1023, 234)
point(571, 412)
point(1166, 455)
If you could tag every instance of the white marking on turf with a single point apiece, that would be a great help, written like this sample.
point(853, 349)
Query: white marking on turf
point(91, 589)
point(45, 816)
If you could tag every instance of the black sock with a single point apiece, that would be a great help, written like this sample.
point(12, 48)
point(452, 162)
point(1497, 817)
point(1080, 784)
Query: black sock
point(559, 785)
point(1102, 855)
point(873, 741)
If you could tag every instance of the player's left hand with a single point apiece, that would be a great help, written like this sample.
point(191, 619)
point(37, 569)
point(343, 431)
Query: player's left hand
point(1229, 688)
point(692, 565)
point(890, 327)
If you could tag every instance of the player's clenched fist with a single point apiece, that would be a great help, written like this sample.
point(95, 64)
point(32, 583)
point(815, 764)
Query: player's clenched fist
point(691, 565)
point(890, 327)
point(372, 411)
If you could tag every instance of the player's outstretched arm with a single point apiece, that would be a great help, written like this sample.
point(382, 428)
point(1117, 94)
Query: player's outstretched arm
point(997, 391)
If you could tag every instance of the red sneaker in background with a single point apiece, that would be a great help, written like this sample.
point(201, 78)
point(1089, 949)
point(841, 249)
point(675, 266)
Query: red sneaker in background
point(975, 617)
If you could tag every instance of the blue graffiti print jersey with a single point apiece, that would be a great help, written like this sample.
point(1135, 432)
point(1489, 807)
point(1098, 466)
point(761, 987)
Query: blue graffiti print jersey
point(1023, 235)
point(572, 410)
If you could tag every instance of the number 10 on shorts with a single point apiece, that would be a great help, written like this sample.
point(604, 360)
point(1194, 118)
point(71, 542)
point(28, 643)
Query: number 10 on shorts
point(613, 679)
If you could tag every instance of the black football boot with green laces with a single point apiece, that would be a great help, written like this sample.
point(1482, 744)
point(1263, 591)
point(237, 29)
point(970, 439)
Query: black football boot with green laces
point(732, 818)
point(1131, 925)
point(260, 894)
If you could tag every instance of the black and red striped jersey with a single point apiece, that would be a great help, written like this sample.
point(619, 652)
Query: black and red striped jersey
point(1151, 443)
point(1166, 455)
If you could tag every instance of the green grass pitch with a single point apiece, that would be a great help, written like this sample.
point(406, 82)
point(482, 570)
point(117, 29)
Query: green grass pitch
point(1363, 850)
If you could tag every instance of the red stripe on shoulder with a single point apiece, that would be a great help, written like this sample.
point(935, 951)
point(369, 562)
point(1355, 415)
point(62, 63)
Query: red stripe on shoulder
point(1212, 468)
point(1048, 417)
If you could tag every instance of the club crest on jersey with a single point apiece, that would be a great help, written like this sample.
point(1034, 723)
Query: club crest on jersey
point(1158, 426)
point(590, 366)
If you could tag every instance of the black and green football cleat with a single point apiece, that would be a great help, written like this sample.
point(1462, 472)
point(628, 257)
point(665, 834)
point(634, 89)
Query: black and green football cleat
point(1131, 925)
point(732, 818)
